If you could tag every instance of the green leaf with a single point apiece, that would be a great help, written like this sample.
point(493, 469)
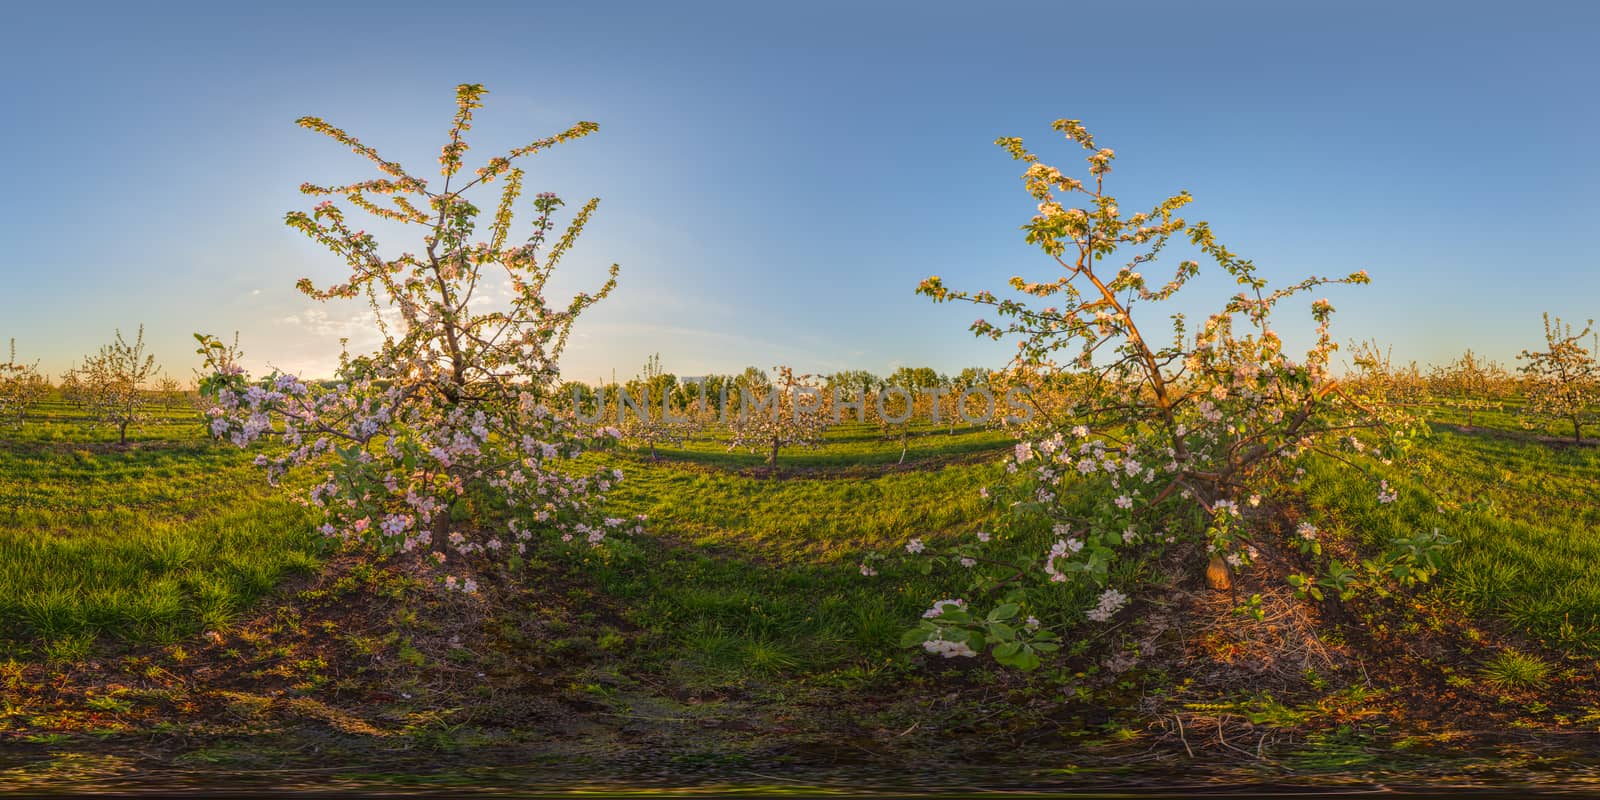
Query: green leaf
point(914, 637)
point(1003, 612)
point(1016, 656)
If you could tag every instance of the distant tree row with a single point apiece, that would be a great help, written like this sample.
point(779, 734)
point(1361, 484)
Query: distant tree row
point(655, 407)
point(1559, 383)
point(119, 386)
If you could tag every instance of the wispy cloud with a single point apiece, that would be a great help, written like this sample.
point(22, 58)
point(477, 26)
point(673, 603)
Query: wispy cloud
point(359, 327)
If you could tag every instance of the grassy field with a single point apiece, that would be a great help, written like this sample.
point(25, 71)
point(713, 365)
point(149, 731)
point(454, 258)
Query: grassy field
point(849, 444)
point(743, 600)
point(151, 542)
point(173, 533)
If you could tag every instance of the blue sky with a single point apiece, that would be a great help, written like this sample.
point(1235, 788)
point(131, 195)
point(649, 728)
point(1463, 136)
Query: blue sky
point(776, 179)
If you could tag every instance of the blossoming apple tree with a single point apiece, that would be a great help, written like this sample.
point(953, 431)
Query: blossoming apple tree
point(965, 397)
point(1470, 383)
point(112, 384)
point(909, 397)
point(1563, 379)
point(451, 406)
point(21, 386)
point(791, 411)
point(1378, 384)
point(657, 418)
point(1167, 437)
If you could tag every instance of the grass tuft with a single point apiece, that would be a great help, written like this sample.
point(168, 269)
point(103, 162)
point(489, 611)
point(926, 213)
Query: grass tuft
point(1512, 669)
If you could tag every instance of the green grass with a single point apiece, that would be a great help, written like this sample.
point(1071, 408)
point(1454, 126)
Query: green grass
point(850, 444)
point(150, 542)
point(1509, 669)
point(741, 610)
point(817, 518)
point(741, 578)
point(1529, 534)
point(1508, 417)
point(745, 580)
point(742, 572)
point(743, 599)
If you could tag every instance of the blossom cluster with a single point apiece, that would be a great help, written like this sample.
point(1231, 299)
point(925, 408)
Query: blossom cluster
point(949, 629)
point(1111, 601)
point(948, 649)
